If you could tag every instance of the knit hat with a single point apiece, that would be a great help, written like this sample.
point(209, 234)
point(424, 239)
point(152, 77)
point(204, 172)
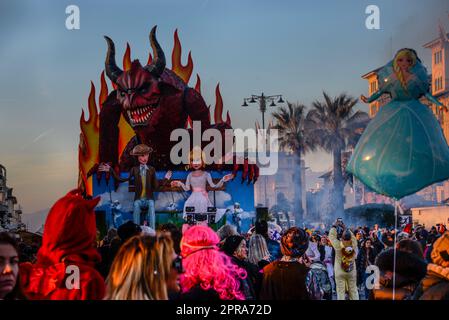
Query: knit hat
point(440, 251)
point(294, 242)
point(231, 244)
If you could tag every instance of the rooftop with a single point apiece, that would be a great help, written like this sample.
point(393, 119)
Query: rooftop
point(436, 40)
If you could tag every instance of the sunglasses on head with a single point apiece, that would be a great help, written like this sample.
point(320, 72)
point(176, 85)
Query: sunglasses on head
point(177, 264)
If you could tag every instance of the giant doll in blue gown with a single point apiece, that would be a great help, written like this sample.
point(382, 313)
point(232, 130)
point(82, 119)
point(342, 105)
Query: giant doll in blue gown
point(403, 148)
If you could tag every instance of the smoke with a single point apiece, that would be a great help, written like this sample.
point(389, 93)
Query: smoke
point(319, 205)
point(414, 201)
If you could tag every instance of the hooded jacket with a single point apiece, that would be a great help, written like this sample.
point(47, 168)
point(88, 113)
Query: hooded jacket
point(435, 285)
point(64, 269)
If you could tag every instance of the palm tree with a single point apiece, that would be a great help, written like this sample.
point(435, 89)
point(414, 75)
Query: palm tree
point(292, 135)
point(335, 127)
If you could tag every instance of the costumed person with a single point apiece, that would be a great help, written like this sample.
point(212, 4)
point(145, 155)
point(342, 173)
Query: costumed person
point(145, 181)
point(345, 255)
point(235, 247)
point(197, 181)
point(236, 217)
point(435, 284)
point(403, 148)
point(68, 249)
point(209, 274)
point(285, 279)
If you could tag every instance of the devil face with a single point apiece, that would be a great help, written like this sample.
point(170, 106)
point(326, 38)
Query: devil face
point(138, 88)
point(139, 94)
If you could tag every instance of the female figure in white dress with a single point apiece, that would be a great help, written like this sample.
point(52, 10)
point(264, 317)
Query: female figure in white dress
point(197, 181)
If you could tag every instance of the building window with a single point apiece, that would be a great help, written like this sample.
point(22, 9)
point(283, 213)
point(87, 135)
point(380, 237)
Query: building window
point(438, 83)
point(373, 110)
point(373, 86)
point(438, 57)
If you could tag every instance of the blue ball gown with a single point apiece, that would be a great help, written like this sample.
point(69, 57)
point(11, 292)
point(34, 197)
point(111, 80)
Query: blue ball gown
point(403, 148)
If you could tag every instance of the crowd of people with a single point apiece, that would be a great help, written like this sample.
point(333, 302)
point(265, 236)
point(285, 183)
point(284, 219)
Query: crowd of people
point(197, 263)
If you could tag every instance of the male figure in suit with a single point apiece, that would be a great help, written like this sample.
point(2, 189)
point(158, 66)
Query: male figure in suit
point(145, 182)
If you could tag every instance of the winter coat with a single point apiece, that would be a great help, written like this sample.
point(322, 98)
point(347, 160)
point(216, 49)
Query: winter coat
point(250, 286)
point(284, 280)
point(435, 285)
point(365, 258)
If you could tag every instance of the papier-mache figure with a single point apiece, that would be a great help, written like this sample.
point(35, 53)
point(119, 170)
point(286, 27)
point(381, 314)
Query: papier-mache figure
point(403, 148)
point(197, 181)
point(145, 182)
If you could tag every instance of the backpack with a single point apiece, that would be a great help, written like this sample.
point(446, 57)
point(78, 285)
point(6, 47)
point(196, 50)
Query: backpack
point(318, 283)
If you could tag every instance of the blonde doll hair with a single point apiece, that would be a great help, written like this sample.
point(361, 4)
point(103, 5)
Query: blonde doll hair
point(397, 70)
point(196, 154)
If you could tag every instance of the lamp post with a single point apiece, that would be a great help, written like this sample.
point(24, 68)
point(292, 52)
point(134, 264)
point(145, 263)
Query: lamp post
point(263, 100)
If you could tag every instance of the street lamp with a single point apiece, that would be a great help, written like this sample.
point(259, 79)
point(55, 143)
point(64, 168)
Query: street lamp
point(263, 100)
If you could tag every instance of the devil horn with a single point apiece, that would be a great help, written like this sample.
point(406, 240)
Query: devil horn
point(158, 66)
point(112, 71)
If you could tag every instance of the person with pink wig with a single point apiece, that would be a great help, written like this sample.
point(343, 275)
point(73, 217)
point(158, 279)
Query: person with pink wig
point(209, 273)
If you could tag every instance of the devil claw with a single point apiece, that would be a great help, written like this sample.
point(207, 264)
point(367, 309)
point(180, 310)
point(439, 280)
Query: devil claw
point(98, 176)
point(92, 170)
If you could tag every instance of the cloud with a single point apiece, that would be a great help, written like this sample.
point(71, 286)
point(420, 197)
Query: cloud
point(43, 134)
point(39, 137)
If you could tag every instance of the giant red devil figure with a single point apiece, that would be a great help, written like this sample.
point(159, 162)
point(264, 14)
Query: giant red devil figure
point(154, 101)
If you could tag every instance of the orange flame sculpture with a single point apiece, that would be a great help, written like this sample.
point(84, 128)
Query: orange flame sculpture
point(184, 72)
point(88, 149)
point(89, 141)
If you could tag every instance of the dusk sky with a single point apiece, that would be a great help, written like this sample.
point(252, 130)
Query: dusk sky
point(293, 48)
